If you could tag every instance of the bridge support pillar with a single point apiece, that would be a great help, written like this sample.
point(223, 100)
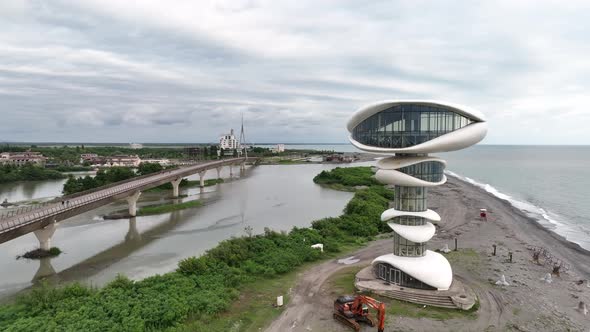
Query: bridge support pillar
point(202, 178)
point(218, 169)
point(243, 166)
point(44, 236)
point(176, 187)
point(132, 201)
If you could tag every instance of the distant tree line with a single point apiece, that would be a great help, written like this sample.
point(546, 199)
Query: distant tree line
point(107, 176)
point(27, 172)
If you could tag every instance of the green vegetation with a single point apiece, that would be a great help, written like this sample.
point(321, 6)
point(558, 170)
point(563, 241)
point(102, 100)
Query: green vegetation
point(103, 177)
point(198, 294)
point(212, 182)
point(40, 253)
point(342, 282)
point(73, 168)
point(159, 209)
point(396, 308)
point(467, 258)
point(68, 155)
point(28, 172)
point(346, 178)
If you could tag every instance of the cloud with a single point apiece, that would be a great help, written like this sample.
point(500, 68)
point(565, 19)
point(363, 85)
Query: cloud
point(108, 70)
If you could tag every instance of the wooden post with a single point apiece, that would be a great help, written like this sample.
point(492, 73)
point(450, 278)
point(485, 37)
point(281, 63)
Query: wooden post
point(494, 254)
point(455, 244)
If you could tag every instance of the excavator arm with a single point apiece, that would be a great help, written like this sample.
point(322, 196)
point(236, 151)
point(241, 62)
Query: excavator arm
point(376, 305)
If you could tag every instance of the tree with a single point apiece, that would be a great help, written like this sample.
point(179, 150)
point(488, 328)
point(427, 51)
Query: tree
point(149, 168)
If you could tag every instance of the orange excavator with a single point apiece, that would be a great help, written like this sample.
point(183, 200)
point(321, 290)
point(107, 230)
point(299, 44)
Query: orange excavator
point(352, 310)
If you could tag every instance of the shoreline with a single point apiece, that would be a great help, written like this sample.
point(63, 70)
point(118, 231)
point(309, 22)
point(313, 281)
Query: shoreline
point(538, 217)
point(547, 232)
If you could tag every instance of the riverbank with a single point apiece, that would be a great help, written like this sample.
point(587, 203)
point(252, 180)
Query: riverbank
point(201, 287)
point(527, 304)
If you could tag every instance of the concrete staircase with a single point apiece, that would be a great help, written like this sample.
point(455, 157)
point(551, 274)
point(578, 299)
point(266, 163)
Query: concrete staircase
point(443, 301)
point(459, 296)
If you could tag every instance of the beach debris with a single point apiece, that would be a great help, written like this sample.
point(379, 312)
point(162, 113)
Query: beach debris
point(579, 282)
point(536, 254)
point(502, 281)
point(483, 214)
point(318, 246)
point(583, 308)
point(446, 249)
point(547, 278)
point(588, 283)
point(348, 260)
point(494, 246)
point(510, 255)
point(556, 269)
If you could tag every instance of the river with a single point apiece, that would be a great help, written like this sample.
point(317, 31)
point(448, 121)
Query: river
point(96, 250)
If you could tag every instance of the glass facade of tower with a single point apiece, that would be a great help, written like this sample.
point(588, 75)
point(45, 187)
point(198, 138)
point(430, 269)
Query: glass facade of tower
point(406, 125)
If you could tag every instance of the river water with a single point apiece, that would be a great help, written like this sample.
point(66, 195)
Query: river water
point(96, 250)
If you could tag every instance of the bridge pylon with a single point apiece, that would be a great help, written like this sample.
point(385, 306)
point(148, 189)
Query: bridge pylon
point(44, 236)
point(132, 201)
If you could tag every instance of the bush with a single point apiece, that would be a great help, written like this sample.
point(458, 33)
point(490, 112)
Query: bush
point(348, 177)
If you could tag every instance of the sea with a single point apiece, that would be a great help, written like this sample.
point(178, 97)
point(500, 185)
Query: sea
point(551, 184)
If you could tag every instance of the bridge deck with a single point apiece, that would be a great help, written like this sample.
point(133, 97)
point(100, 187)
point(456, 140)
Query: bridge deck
point(26, 222)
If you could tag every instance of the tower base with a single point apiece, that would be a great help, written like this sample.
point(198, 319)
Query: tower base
point(458, 296)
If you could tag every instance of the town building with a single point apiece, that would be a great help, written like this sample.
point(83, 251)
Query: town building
point(162, 162)
point(229, 142)
point(123, 160)
point(278, 148)
point(135, 146)
point(22, 158)
point(91, 158)
point(411, 130)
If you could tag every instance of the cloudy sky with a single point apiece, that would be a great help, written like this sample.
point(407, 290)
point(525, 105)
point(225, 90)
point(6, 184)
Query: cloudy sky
point(185, 71)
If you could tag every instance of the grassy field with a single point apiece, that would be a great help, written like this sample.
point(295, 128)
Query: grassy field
point(158, 209)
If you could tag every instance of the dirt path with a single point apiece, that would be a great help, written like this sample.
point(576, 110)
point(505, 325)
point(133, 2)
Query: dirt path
point(310, 309)
point(528, 304)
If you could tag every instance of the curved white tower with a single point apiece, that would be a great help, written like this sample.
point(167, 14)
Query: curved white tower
point(411, 129)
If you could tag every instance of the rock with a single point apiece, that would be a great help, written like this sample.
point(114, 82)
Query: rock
point(547, 278)
point(502, 281)
point(582, 308)
point(446, 249)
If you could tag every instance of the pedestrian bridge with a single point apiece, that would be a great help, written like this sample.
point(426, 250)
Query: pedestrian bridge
point(42, 219)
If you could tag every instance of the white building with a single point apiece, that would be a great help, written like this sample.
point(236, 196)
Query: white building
point(135, 146)
point(123, 160)
point(229, 142)
point(163, 162)
point(278, 148)
point(409, 130)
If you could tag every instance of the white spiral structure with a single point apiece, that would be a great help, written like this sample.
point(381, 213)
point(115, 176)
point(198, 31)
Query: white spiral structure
point(411, 129)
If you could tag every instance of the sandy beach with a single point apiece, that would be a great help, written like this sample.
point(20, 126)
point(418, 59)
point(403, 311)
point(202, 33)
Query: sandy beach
point(528, 303)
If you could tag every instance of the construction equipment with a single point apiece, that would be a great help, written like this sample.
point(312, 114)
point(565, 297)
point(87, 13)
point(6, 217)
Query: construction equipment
point(352, 310)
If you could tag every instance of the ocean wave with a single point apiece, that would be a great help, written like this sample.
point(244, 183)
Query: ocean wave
point(536, 212)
